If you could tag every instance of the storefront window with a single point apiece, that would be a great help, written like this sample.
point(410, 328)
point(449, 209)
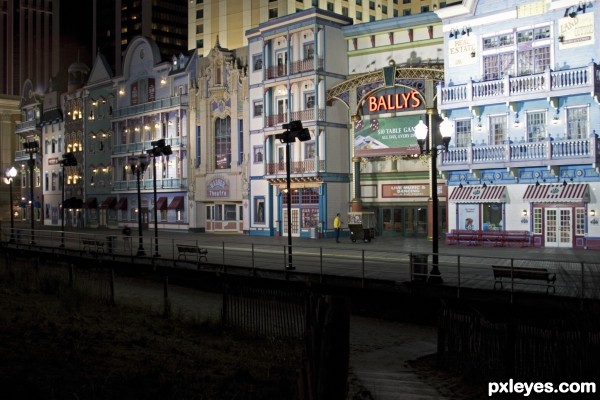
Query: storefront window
point(492, 216)
point(218, 213)
point(259, 210)
point(537, 221)
point(230, 212)
point(310, 217)
point(579, 221)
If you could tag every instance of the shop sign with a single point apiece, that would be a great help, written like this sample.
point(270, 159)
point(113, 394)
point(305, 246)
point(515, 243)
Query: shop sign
point(218, 187)
point(462, 51)
point(576, 32)
point(53, 161)
point(410, 190)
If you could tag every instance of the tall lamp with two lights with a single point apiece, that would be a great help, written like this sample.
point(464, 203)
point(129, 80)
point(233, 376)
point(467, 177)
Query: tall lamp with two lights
point(9, 176)
point(138, 166)
point(428, 145)
point(293, 130)
point(68, 160)
point(158, 149)
point(31, 148)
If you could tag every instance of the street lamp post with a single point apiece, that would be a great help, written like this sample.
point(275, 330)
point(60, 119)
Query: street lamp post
point(68, 160)
point(293, 130)
point(31, 148)
point(9, 176)
point(158, 149)
point(431, 147)
point(138, 166)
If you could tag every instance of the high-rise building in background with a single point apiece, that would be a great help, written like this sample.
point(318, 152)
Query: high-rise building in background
point(118, 22)
point(40, 39)
point(29, 43)
point(230, 19)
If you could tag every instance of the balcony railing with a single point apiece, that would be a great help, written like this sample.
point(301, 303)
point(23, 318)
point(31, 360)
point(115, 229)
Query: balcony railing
point(25, 126)
point(515, 154)
point(306, 167)
point(157, 105)
point(140, 147)
point(147, 184)
point(547, 82)
point(304, 115)
point(305, 65)
point(22, 155)
point(296, 67)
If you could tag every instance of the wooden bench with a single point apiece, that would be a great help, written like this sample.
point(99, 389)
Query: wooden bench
point(185, 249)
point(94, 245)
point(524, 273)
point(493, 238)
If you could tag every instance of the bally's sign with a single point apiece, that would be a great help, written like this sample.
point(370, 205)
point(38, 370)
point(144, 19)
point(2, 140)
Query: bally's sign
point(394, 102)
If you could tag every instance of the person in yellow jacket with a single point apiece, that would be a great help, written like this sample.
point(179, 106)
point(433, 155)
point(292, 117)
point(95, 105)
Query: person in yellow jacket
point(337, 225)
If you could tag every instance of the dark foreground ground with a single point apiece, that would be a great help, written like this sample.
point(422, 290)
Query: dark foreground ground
point(66, 346)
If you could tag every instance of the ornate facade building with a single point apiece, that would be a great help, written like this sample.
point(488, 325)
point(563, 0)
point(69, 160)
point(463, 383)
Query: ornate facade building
point(219, 166)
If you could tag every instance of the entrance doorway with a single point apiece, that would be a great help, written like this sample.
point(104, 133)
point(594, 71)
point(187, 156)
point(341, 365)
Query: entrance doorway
point(102, 220)
point(559, 227)
point(295, 222)
point(403, 221)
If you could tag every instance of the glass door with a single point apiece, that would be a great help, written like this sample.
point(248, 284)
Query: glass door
point(295, 222)
point(403, 221)
point(558, 227)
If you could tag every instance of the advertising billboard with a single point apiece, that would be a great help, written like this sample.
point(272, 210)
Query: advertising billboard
point(374, 136)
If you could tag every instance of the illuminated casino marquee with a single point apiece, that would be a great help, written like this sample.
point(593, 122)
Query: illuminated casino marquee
point(394, 102)
point(384, 129)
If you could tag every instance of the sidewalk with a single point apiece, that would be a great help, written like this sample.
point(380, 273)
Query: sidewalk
point(394, 243)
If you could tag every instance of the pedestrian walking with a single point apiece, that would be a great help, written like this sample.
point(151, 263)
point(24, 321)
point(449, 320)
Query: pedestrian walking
point(126, 237)
point(337, 225)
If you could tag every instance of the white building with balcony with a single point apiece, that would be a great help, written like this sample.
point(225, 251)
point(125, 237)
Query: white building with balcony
point(28, 162)
point(151, 104)
point(522, 88)
point(293, 61)
point(52, 128)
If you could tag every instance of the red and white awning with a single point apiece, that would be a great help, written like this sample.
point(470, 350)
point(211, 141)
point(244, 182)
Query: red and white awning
point(479, 194)
point(570, 193)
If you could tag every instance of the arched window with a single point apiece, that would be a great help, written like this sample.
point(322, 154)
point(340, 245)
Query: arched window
point(223, 143)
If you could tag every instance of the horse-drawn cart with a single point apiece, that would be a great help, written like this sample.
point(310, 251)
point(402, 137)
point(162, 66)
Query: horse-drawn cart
point(361, 225)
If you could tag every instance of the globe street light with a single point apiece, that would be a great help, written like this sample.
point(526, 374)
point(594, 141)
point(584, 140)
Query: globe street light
point(68, 160)
point(138, 166)
point(158, 149)
point(31, 148)
point(431, 147)
point(293, 130)
point(9, 176)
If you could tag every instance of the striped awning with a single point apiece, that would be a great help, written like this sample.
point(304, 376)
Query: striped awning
point(122, 204)
point(479, 194)
point(161, 203)
point(558, 192)
point(176, 203)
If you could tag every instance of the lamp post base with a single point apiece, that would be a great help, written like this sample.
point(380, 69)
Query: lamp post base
point(435, 277)
point(289, 268)
point(141, 251)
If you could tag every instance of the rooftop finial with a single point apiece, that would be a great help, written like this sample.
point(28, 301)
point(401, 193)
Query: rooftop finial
point(217, 44)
